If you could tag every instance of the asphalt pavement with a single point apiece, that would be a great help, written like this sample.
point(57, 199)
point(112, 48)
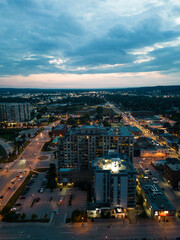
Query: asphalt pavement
point(27, 161)
point(95, 231)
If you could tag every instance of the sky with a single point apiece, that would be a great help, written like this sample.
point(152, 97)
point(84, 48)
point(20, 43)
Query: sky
point(89, 43)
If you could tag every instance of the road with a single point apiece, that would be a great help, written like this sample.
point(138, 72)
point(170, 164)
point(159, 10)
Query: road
point(173, 196)
point(132, 121)
point(27, 161)
point(93, 231)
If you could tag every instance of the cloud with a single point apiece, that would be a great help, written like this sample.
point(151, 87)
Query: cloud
point(108, 80)
point(88, 37)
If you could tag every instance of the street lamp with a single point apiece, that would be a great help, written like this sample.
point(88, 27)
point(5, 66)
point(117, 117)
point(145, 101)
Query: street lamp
point(82, 221)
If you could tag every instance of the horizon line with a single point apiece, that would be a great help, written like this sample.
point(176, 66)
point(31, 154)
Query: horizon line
point(178, 85)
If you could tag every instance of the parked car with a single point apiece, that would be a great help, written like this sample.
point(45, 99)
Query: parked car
point(57, 212)
point(17, 204)
point(22, 197)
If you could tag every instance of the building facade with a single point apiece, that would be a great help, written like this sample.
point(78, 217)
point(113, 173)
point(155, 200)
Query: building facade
point(80, 146)
point(59, 130)
point(172, 174)
point(114, 181)
point(15, 112)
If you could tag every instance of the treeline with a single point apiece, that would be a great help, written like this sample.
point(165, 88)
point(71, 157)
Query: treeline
point(18, 100)
point(82, 100)
point(159, 105)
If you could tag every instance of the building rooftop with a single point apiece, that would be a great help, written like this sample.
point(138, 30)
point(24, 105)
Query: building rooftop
point(55, 140)
point(133, 129)
point(113, 162)
point(174, 167)
point(65, 169)
point(99, 130)
point(59, 127)
point(125, 132)
point(155, 195)
point(170, 137)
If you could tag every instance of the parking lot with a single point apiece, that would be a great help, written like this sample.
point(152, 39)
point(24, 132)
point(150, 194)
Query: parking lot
point(37, 199)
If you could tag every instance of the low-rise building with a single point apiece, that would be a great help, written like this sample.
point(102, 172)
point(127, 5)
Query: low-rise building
point(156, 202)
point(59, 130)
point(155, 152)
point(134, 130)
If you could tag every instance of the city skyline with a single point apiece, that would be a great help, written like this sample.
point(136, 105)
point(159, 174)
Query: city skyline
point(89, 44)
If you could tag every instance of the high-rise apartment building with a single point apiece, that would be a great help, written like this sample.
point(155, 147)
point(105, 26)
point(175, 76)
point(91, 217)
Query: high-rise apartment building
point(15, 112)
point(81, 145)
point(114, 181)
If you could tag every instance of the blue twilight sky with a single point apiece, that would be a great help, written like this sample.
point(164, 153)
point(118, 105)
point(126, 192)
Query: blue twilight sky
point(89, 43)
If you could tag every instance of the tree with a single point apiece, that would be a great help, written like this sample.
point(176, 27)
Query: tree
point(52, 176)
point(71, 121)
point(33, 217)
point(50, 134)
point(51, 119)
point(167, 125)
point(106, 124)
point(99, 110)
point(38, 116)
point(55, 154)
point(23, 216)
point(84, 119)
point(63, 122)
point(78, 216)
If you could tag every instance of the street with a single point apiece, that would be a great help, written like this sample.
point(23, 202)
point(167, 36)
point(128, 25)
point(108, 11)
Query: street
point(173, 196)
point(96, 231)
point(27, 161)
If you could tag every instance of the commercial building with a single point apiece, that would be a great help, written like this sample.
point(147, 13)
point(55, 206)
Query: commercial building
point(15, 112)
point(114, 181)
point(134, 130)
point(59, 130)
point(79, 146)
point(155, 152)
point(172, 174)
point(156, 202)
